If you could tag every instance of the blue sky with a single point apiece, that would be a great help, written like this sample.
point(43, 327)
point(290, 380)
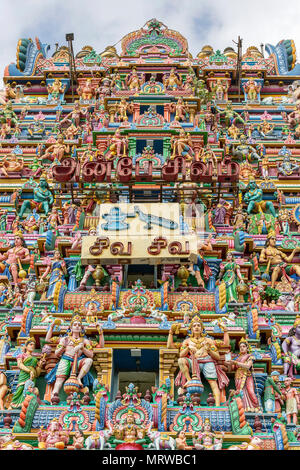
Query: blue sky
point(100, 23)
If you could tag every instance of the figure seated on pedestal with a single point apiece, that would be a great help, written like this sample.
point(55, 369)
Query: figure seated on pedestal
point(277, 261)
point(12, 165)
point(182, 145)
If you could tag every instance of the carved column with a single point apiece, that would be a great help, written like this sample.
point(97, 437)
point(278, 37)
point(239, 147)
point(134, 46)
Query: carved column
point(168, 365)
point(136, 111)
point(103, 364)
point(167, 112)
point(72, 284)
point(214, 265)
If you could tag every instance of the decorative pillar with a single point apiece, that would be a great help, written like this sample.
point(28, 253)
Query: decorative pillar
point(167, 147)
point(131, 146)
point(168, 364)
point(214, 265)
point(136, 111)
point(102, 362)
point(71, 263)
point(167, 112)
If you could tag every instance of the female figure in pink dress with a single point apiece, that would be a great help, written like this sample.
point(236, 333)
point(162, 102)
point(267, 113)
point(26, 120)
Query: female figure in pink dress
point(243, 378)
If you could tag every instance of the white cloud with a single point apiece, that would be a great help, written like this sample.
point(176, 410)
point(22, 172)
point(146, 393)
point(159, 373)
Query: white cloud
point(100, 23)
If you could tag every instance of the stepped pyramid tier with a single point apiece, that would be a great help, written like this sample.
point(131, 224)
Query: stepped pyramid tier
point(150, 246)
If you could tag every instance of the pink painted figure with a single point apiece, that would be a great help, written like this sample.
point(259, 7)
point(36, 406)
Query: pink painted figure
point(292, 401)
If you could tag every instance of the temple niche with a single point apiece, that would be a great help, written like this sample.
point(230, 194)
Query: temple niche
point(150, 246)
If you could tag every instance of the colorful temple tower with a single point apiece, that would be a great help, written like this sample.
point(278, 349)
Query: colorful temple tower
point(150, 246)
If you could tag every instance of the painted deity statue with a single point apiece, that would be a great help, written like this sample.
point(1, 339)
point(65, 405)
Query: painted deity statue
point(42, 199)
point(117, 145)
point(254, 198)
point(252, 88)
point(182, 145)
point(171, 81)
point(122, 109)
point(244, 151)
point(291, 349)
point(13, 258)
point(129, 430)
point(30, 368)
point(55, 89)
point(11, 164)
point(134, 82)
point(292, 401)
point(231, 116)
point(7, 115)
point(277, 261)
point(75, 115)
point(54, 437)
point(57, 269)
point(206, 439)
point(73, 346)
point(230, 273)
point(86, 91)
point(181, 443)
point(199, 354)
point(243, 378)
point(181, 110)
point(56, 151)
point(287, 167)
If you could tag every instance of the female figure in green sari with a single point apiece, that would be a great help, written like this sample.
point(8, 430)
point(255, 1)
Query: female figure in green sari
point(230, 273)
point(30, 368)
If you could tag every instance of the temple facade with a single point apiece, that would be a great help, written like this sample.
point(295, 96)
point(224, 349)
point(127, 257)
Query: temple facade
point(150, 246)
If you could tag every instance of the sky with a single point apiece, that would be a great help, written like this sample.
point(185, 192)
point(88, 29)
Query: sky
point(100, 23)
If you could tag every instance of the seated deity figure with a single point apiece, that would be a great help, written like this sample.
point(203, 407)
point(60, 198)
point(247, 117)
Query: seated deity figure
point(254, 198)
point(56, 151)
point(287, 167)
point(265, 128)
point(54, 437)
point(75, 115)
point(55, 89)
point(134, 82)
point(73, 346)
point(244, 151)
point(199, 354)
point(86, 91)
point(12, 164)
point(42, 199)
point(129, 430)
point(172, 82)
point(279, 263)
point(252, 89)
point(206, 439)
point(182, 145)
point(181, 110)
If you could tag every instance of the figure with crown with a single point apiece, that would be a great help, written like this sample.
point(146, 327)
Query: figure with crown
point(198, 355)
point(12, 260)
point(291, 349)
point(72, 348)
point(277, 261)
point(243, 378)
point(30, 368)
point(254, 198)
point(42, 198)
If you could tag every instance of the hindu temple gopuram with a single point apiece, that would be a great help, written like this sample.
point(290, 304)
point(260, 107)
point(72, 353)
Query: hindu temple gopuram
point(150, 246)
